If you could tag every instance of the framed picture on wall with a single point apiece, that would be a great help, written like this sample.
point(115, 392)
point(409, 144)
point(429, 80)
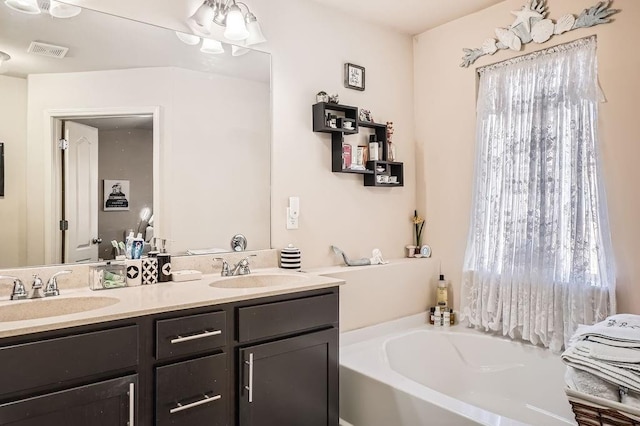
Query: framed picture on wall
point(116, 195)
point(1, 169)
point(353, 77)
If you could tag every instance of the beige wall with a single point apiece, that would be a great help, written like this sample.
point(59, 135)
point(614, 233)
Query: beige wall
point(13, 132)
point(445, 130)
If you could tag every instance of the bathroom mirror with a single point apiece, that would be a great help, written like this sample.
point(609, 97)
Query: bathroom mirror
point(186, 133)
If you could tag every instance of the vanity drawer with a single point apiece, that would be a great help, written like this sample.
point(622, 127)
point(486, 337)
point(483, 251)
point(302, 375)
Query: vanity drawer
point(53, 361)
point(190, 334)
point(193, 392)
point(289, 316)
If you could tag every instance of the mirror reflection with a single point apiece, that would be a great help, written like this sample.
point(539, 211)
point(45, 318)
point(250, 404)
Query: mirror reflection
point(111, 126)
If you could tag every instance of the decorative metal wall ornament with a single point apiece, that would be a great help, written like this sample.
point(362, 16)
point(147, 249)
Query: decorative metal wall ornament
point(531, 25)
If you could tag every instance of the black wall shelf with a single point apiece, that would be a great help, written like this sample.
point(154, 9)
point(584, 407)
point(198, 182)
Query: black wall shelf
point(377, 173)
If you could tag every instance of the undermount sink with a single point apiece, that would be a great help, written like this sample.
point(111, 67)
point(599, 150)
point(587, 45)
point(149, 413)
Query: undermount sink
point(43, 308)
point(262, 280)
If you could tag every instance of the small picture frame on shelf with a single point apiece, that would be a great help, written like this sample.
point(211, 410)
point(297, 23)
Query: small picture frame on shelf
point(354, 77)
point(425, 251)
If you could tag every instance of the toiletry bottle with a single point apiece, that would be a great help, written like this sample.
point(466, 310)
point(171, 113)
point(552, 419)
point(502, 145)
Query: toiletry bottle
point(129, 245)
point(164, 263)
point(446, 318)
point(373, 148)
point(441, 295)
point(137, 247)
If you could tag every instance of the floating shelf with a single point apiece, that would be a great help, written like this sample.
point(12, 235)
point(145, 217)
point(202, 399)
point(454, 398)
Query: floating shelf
point(347, 113)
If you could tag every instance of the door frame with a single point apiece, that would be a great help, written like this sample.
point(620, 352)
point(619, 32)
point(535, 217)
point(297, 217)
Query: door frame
point(53, 157)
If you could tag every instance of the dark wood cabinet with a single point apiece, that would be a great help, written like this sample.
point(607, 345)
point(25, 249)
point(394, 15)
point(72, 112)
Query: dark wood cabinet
point(178, 368)
point(288, 382)
point(106, 403)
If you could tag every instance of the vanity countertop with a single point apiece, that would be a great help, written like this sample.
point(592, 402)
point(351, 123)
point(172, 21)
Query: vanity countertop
point(150, 299)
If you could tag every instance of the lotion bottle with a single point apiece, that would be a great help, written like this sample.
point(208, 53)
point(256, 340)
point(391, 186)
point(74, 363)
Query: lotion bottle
point(442, 292)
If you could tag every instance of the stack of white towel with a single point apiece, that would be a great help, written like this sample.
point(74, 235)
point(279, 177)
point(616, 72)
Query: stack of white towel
point(604, 359)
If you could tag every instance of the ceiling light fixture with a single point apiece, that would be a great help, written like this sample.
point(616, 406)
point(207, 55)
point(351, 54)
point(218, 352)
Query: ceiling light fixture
point(25, 6)
point(238, 26)
point(62, 10)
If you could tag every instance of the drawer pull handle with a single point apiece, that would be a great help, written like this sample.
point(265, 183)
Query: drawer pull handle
point(202, 335)
point(207, 399)
point(250, 386)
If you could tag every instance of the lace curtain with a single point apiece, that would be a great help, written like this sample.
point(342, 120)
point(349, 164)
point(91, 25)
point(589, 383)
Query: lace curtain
point(539, 258)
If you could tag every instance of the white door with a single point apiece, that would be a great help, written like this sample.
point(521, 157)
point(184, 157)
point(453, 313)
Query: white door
point(81, 193)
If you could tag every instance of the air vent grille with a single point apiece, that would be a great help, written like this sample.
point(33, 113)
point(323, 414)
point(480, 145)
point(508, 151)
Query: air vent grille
point(49, 50)
point(44, 5)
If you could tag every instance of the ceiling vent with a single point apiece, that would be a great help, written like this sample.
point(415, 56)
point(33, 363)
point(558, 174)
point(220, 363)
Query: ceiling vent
point(44, 5)
point(49, 50)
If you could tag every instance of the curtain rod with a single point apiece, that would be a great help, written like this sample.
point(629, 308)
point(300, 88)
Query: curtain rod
point(533, 55)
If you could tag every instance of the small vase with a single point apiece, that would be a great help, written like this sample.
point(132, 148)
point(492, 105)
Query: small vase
point(411, 251)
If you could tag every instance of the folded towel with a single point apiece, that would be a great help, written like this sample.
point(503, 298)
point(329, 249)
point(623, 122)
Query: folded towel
point(615, 374)
point(604, 352)
point(621, 330)
point(584, 382)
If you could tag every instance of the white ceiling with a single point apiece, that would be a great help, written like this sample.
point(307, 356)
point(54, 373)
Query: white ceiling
point(409, 16)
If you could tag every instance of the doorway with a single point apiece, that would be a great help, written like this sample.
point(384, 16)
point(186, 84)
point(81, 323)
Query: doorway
point(101, 149)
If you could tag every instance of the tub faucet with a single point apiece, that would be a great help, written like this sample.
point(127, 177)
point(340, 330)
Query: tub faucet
point(19, 292)
point(51, 288)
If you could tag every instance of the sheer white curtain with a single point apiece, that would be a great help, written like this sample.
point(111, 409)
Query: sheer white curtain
point(539, 259)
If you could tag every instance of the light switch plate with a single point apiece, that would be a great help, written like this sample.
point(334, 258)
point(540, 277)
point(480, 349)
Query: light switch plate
point(292, 222)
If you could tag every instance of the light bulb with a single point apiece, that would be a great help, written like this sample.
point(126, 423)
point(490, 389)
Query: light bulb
point(255, 33)
point(236, 28)
point(211, 46)
point(25, 6)
point(202, 19)
point(61, 10)
point(189, 39)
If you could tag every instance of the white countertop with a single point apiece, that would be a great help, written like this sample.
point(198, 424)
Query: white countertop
point(156, 298)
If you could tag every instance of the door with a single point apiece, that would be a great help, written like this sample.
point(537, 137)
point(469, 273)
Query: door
point(81, 193)
point(108, 403)
point(290, 382)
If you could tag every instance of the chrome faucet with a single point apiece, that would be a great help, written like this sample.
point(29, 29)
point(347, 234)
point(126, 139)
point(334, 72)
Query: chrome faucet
point(240, 268)
point(19, 292)
point(51, 288)
point(35, 287)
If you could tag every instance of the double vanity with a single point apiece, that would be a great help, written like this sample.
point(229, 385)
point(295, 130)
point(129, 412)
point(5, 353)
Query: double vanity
point(257, 349)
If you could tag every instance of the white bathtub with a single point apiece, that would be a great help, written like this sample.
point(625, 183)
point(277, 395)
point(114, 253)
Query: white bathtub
point(408, 373)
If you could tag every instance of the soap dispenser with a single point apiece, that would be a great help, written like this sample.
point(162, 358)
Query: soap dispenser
point(164, 263)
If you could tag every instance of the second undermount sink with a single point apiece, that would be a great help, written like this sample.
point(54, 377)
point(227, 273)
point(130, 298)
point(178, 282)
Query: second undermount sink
point(43, 308)
point(259, 280)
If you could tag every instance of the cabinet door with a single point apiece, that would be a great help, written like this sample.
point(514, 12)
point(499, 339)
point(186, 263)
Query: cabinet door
point(290, 382)
point(108, 403)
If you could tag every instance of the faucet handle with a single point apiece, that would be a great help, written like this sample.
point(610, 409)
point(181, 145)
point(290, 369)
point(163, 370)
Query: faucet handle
point(52, 285)
point(226, 271)
point(243, 265)
point(18, 292)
